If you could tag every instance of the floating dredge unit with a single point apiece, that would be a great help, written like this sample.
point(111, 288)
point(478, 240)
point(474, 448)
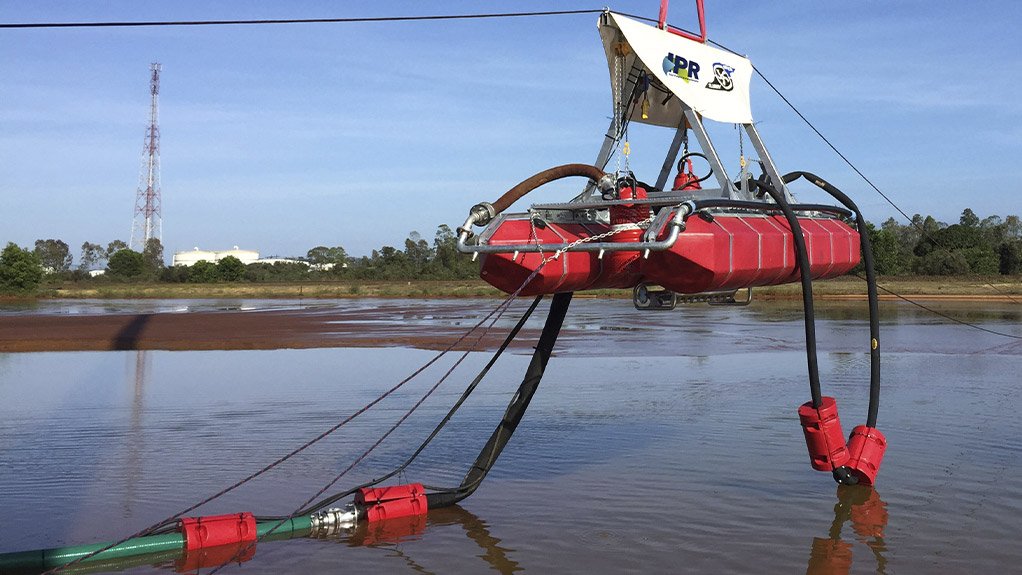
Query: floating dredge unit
point(685, 241)
point(668, 243)
point(623, 233)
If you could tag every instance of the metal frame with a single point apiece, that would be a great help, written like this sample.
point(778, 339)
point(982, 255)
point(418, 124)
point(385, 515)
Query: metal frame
point(696, 123)
point(672, 154)
point(768, 162)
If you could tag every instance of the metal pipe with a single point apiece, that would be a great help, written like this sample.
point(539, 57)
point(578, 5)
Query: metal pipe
point(676, 225)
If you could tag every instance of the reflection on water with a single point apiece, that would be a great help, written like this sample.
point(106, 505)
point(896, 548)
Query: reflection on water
point(135, 438)
point(389, 535)
point(656, 443)
point(861, 505)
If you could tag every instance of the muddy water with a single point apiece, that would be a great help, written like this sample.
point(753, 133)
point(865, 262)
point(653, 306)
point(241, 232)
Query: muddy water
point(658, 442)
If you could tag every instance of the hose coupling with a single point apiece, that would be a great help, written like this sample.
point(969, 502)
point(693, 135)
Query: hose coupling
point(334, 520)
point(481, 213)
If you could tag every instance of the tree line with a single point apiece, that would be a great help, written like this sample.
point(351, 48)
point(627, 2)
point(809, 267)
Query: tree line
point(927, 247)
point(23, 270)
point(923, 247)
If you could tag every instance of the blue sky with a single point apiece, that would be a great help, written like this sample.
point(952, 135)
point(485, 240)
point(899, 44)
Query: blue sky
point(281, 138)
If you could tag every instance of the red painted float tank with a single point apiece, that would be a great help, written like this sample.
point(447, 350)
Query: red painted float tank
point(723, 252)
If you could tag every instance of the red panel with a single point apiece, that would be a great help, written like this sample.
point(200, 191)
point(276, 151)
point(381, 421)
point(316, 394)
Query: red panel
point(729, 252)
point(216, 530)
point(573, 271)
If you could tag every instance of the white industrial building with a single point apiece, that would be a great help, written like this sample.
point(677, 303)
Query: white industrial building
point(190, 257)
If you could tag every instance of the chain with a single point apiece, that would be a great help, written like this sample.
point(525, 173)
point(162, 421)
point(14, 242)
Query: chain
point(618, 228)
point(741, 147)
point(619, 96)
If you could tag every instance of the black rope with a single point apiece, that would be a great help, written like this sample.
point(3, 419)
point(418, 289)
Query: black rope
point(297, 20)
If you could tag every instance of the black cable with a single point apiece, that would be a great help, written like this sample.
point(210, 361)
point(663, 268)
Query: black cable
point(853, 167)
point(296, 20)
point(443, 423)
point(173, 518)
point(241, 552)
point(943, 315)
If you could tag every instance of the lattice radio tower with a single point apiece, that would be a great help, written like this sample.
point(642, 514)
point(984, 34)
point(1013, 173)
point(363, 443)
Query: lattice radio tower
point(148, 221)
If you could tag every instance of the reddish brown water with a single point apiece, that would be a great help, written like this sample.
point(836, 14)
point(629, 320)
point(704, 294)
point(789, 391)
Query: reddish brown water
point(658, 442)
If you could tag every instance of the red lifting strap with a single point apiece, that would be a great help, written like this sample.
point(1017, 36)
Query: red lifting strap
point(663, 25)
point(214, 530)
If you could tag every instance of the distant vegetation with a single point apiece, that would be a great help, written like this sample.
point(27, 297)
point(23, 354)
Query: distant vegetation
point(23, 271)
point(925, 247)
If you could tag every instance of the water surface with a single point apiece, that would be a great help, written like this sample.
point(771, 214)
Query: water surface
point(658, 442)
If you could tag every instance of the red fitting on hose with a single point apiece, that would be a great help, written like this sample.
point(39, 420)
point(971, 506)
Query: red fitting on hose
point(866, 448)
point(215, 530)
point(381, 503)
point(824, 438)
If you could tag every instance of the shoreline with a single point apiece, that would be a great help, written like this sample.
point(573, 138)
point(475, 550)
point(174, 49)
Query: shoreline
point(1000, 288)
point(316, 326)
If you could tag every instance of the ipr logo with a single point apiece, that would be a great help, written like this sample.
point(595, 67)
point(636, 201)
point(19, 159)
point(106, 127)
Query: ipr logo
point(681, 67)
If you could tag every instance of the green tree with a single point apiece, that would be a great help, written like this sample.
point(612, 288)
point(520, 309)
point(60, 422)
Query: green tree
point(92, 254)
point(322, 255)
point(969, 219)
point(54, 255)
point(230, 269)
point(203, 272)
point(886, 251)
point(175, 274)
point(1012, 228)
point(126, 264)
point(153, 256)
point(944, 263)
point(114, 247)
point(418, 253)
point(1011, 257)
point(20, 270)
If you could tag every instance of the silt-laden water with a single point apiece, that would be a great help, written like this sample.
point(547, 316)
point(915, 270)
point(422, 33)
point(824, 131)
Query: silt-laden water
point(658, 442)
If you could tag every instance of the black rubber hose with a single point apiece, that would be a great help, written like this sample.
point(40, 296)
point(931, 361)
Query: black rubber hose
point(871, 288)
point(532, 182)
point(765, 207)
point(802, 258)
point(444, 497)
point(312, 508)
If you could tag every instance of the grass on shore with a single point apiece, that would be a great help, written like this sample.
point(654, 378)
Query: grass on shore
point(999, 287)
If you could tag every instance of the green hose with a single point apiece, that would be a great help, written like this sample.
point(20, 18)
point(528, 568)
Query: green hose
point(44, 559)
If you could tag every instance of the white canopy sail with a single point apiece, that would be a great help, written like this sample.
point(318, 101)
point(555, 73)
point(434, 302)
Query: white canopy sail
point(713, 82)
